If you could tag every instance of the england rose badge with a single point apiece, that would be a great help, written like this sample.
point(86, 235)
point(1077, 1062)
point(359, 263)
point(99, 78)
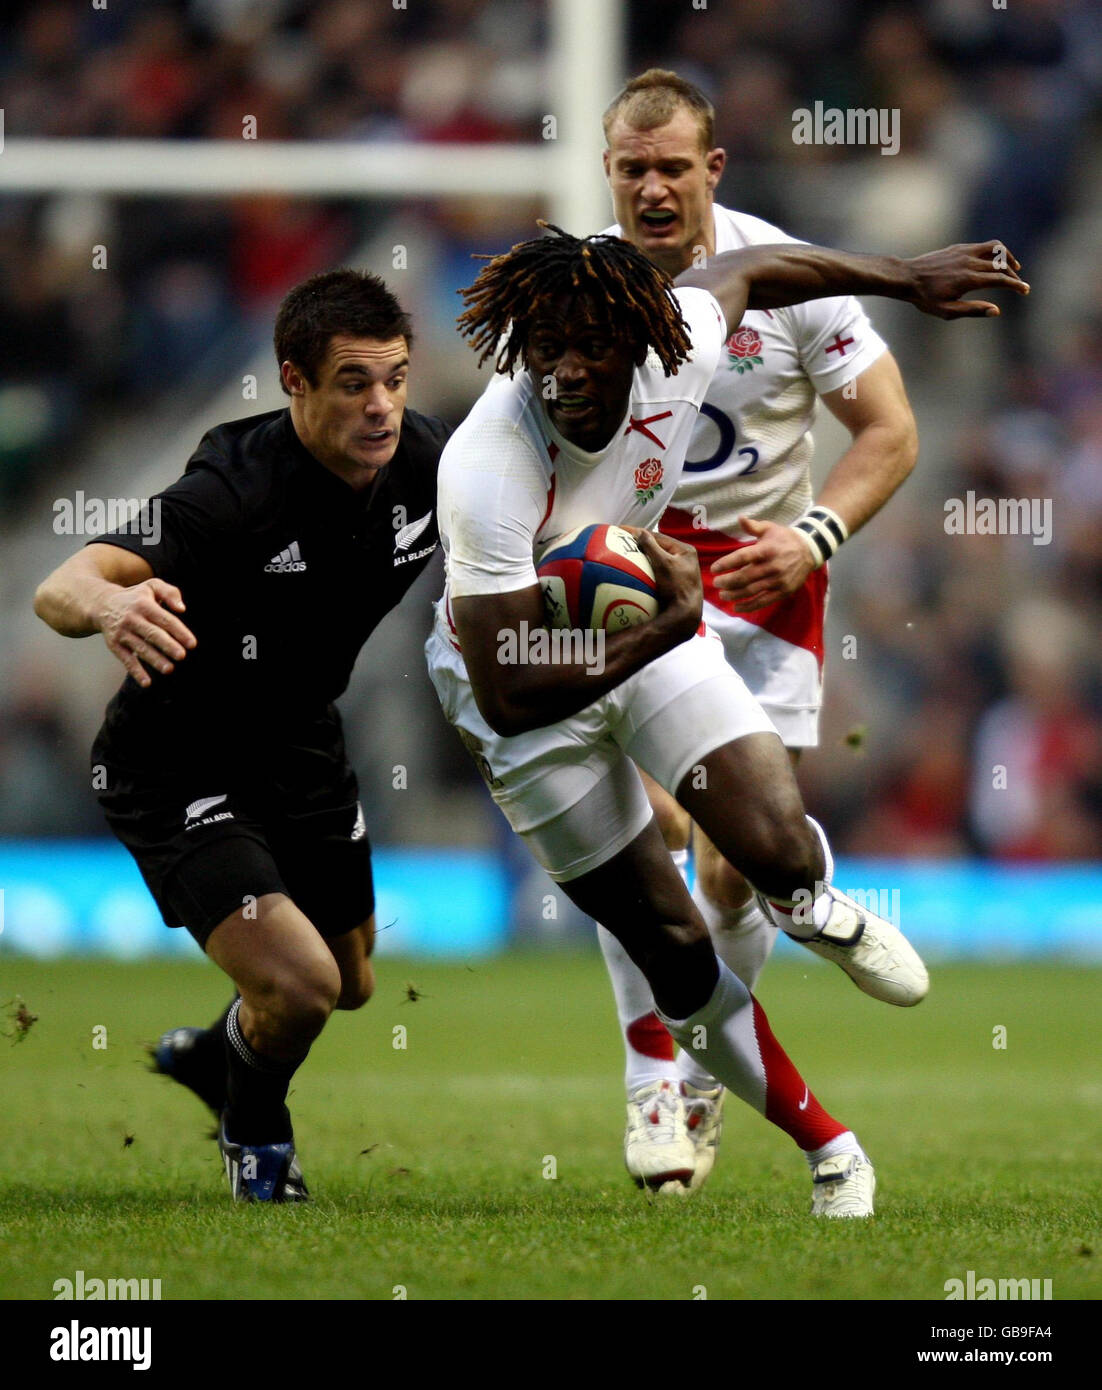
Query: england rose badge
point(648, 479)
point(744, 350)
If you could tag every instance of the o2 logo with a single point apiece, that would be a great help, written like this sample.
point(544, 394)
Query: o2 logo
point(725, 448)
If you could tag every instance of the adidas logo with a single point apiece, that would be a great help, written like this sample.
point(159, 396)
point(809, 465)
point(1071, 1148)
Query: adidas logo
point(288, 561)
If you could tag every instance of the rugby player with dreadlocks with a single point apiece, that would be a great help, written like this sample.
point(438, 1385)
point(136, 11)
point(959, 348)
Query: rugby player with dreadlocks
point(605, 363)
point(764, 535)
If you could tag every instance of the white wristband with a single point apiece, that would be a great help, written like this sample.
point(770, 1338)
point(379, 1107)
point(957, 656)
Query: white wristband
point(824, 531)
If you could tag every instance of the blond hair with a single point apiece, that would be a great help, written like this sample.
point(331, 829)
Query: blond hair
point(653, 98)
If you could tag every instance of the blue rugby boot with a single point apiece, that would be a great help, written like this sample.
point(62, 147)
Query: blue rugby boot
point(262, 1172)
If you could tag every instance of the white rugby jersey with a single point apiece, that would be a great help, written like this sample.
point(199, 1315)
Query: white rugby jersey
point(751, 450)
point(510, 484)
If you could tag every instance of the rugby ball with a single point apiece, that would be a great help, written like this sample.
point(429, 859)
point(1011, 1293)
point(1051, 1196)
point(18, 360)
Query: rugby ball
point(597, 577)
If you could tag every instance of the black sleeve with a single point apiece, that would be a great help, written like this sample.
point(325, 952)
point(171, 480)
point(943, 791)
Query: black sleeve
point(178, 529)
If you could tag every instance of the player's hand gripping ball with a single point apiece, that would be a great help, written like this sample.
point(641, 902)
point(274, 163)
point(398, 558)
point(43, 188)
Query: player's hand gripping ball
point(597, 577)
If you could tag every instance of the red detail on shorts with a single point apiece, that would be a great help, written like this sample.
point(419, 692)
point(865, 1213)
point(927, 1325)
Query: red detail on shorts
point(797, 619)
point(649, 1036)
point(789, 1103)
point(451, 624)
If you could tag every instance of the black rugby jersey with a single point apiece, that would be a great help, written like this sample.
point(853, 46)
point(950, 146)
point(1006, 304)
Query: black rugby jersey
point(285, 571)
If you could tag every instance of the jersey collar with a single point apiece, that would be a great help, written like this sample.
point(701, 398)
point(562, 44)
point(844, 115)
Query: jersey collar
point(577, 455)
point(326, 479)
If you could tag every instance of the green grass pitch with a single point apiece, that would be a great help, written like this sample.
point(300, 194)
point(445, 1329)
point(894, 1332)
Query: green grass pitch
point(428, 1163)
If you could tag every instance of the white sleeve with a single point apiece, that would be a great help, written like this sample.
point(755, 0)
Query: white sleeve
point(492, 499)
point(836, 340)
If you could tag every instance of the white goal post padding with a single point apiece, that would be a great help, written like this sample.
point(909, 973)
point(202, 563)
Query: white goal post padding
point(586, 64)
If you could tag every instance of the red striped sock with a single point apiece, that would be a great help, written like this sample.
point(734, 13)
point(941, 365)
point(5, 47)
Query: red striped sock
point(789, 1103)
point(737, 1045)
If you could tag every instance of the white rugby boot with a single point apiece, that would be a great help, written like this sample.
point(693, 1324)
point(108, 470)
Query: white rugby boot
point(704, 1119)
point(876, 956)
point(658, 1151)
point(842, 1186)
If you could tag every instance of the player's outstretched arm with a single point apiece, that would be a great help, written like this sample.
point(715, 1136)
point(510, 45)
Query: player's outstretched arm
point(517, 695)
point(104, 588)
point(770, 277)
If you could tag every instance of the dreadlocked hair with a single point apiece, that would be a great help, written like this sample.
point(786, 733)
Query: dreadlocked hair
point(513, 288)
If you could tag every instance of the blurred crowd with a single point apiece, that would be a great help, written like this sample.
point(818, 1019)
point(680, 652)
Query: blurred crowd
point(967, 716)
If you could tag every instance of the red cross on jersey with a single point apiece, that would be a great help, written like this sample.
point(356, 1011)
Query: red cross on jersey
point(641, 426)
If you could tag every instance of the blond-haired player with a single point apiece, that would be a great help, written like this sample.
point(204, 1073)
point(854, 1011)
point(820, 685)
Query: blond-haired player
point(745, 504)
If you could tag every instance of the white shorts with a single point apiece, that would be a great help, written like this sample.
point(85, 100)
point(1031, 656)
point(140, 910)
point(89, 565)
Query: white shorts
point(569, 789)
point(785, 679)
point(778, 651)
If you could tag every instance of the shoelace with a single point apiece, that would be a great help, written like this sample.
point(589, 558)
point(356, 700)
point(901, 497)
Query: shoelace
point(698, 1113)
point(660, 1115)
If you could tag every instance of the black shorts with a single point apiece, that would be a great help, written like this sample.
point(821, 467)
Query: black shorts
point(208, 843)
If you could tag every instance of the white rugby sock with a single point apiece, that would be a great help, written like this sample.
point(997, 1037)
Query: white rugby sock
point(648, 1046)
point(743, 938)
point(802, 919)
point(732, 1036)
point(723, 1033)
point(845, 1143)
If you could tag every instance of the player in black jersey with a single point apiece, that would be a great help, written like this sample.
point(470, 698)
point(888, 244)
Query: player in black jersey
point(238, 613)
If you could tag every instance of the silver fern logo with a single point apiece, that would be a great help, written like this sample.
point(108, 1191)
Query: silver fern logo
point(404, 538)
point(203, 805)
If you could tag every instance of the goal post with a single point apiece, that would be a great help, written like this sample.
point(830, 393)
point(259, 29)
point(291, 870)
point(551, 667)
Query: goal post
point(586, 66)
